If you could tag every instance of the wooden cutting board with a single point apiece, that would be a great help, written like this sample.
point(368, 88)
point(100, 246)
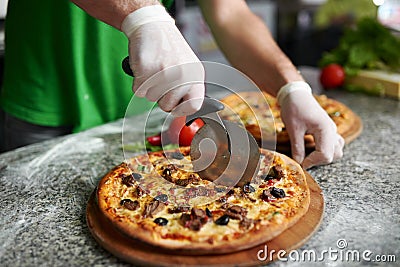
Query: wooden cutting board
point(140, 254)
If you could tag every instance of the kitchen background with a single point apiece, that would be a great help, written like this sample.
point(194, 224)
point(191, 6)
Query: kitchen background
point(304, 29)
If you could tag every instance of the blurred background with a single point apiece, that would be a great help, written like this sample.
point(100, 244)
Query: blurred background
point(304, 29)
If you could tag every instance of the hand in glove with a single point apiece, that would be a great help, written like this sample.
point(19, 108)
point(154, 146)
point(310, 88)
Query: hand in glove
point(166, 69)
point(302, 114)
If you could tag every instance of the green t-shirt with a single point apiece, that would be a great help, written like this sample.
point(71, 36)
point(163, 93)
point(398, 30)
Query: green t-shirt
point(63, 67)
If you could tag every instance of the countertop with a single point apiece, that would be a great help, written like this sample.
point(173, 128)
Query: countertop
point(45, 188)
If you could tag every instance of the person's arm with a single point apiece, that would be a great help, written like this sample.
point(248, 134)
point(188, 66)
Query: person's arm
point(112, 12)
point(248, 45)
point(162, 62)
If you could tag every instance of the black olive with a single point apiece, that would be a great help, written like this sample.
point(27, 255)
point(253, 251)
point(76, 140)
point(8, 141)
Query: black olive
point(222, 199)
point(167, 172)
point(271, 175)
point(230, 192)
point(161, 221)
point(208, 213)
point(219, 189)
point(162, 197)
point(177, 155)
point(136, 176)
point(267, 177)
point(223, 220)
point(122, 202)
point(247, 188)
point(277, 192)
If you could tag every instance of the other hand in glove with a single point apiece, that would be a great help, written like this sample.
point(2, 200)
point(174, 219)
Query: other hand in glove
point(302, 115)
point(166, 69)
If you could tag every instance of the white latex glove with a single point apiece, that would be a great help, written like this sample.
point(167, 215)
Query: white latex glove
point(302, 114)
point(155, 44)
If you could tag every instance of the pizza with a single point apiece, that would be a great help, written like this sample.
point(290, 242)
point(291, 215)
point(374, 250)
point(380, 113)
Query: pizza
point(157, 198)
point(260, 114)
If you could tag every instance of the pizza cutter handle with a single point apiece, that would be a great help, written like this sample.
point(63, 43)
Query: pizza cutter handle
point(126, 67)
point(210, 105)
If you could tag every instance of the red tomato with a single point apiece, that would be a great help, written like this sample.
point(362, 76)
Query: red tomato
point(332, 76)
point(154, 140)
point(179, 132)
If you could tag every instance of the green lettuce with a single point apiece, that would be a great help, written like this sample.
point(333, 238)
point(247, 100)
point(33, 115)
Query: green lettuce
point(367, 46)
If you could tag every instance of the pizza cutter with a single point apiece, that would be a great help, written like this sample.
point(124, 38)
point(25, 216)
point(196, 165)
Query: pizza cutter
point(222, 151)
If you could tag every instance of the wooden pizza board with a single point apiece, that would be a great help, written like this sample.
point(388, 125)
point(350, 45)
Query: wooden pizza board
point(354, 131)
point(141, 254)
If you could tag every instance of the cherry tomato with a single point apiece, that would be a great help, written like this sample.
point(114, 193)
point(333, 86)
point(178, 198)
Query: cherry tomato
point(332, 76)
point(179, 132)
point(154, 140)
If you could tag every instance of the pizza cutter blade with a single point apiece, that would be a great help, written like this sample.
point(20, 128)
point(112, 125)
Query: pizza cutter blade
point(222, 151)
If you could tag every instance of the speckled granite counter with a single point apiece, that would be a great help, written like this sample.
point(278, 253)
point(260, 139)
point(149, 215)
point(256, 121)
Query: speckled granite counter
point(45, 187)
